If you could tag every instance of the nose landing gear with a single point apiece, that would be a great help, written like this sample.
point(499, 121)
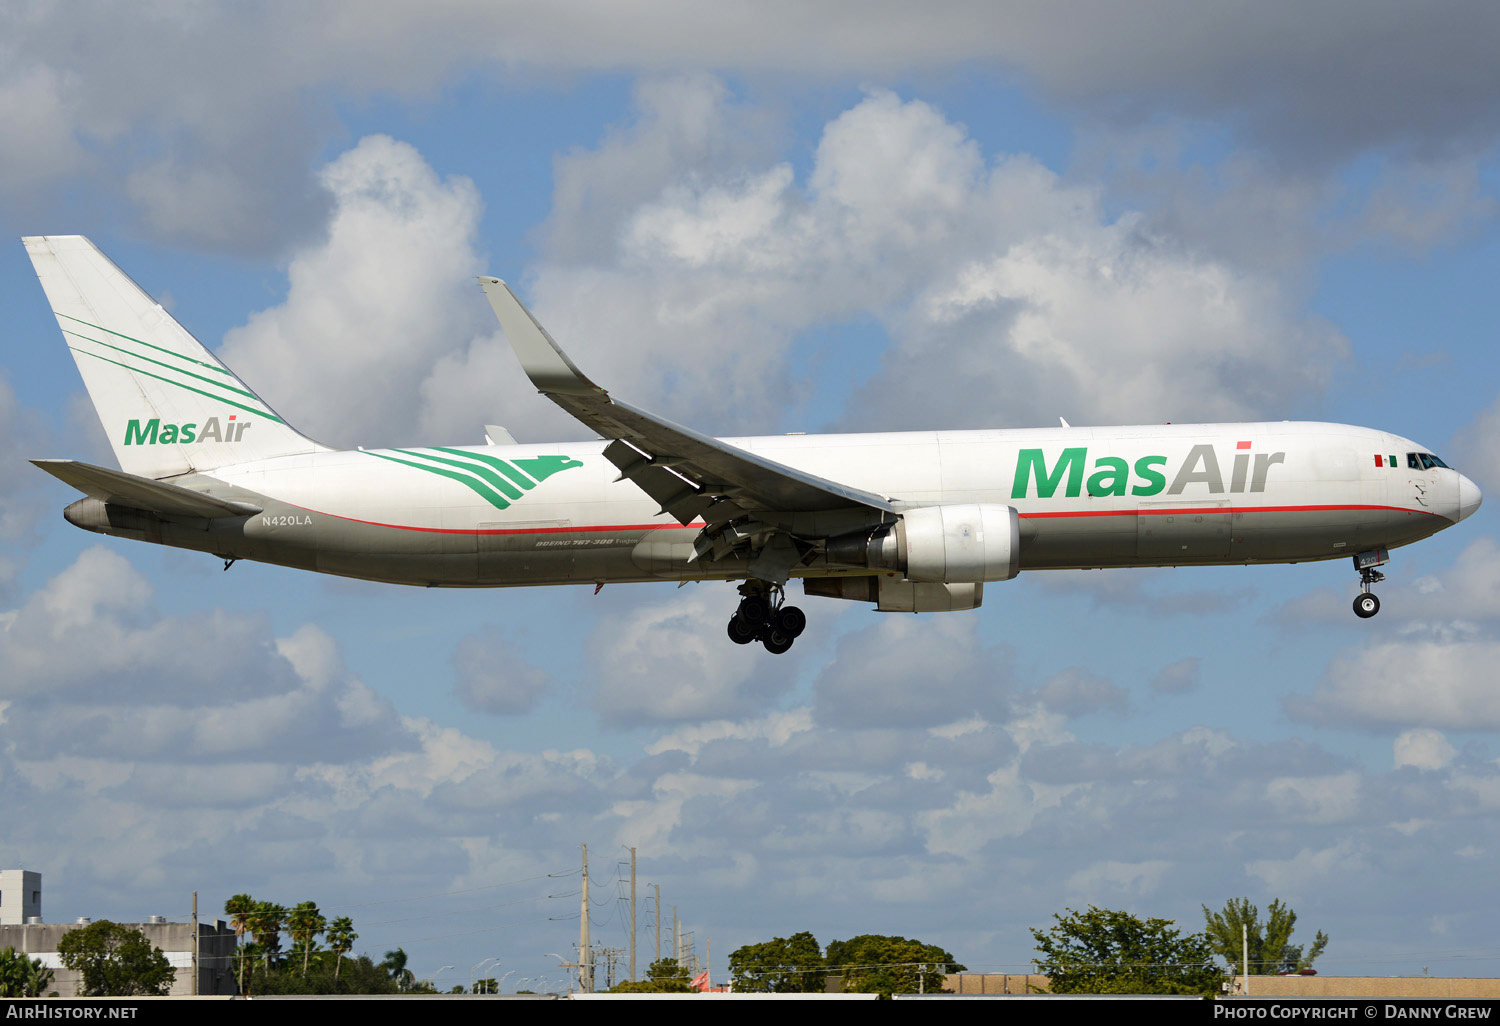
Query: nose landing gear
point(762, 616)
point(1366, 604)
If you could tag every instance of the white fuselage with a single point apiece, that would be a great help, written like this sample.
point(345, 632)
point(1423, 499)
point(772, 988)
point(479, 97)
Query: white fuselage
point(1159, 495)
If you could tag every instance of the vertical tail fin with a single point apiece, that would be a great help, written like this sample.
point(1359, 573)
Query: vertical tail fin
point(168, 405)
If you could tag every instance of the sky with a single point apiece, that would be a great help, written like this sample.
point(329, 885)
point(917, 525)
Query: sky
point(756, 218)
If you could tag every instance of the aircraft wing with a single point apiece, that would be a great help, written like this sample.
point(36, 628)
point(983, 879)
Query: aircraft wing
point(122, 489)
point(689, 474)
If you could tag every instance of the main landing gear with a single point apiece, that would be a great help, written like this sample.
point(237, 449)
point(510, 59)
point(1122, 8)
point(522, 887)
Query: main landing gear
point(1366, 604)
point(763, 616)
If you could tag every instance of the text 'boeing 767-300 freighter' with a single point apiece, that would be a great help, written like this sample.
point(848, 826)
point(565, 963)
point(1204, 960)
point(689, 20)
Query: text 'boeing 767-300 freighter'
point(911, 522)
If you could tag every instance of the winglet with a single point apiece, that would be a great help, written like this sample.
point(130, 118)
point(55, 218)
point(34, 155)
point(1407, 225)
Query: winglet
point(545, 363)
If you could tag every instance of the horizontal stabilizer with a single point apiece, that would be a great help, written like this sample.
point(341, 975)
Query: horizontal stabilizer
point(122, 489)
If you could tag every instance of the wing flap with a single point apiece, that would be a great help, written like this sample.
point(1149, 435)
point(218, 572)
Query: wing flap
point(122, 489)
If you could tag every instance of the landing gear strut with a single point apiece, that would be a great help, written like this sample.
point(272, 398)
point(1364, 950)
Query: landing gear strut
point(762, 616)
point(1366, 604)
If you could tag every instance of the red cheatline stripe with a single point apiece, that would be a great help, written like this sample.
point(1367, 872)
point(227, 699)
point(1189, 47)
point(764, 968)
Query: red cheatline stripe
point(695, 525)
point(1168, 512)
point(698, 524)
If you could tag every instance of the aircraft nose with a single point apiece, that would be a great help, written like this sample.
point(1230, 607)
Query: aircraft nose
point(1469, 497)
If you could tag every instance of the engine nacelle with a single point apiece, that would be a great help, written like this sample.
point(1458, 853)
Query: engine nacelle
point(963, 544)
point(894, 595)
point(966, 543)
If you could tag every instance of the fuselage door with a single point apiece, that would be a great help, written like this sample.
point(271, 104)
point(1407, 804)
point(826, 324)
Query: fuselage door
point(1184, 532)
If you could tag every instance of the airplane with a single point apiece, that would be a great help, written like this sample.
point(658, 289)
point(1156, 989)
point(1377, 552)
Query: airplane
point(907, 522)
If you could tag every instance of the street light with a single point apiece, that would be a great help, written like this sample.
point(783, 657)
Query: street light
point(474, 967)
point(432, 980)
point(563, 963)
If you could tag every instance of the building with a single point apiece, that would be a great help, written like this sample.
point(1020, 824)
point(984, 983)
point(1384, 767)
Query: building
point(214, 955)
point(21, 927)
point(20, 896)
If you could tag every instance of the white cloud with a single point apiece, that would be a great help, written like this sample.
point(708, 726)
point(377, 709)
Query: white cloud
point(1467, 591)
point(94, 671)
point(1321, 799)
point(1111, 882)
point(686, 286)
point(1459, 600)
point(656, 663)
point(34, 108)
point(1424, 749)
point(373, 306)
point(883, 675)
point(1106, 322)
point(1307, 869)
point(971, 820)
point(1079, 692)
point(206, 124)
point(1414, 682)
point(996, 266)
point(776, 729)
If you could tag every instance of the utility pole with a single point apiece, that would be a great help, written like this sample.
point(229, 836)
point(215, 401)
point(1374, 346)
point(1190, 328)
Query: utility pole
point(1245, 947)
point(658, 921)
point(676, 938)
point(611, 959)
point(585, 956)
point(632, 915)
point(195, 944)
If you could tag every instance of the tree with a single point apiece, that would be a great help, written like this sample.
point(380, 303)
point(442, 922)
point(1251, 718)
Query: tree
point(359, 976)
point(1105, 952)
point(341, 938)
point(790, 965)
point(395, 967)
point(665, 976)
point(114, 960)
point(304, 923)
point(240, 909)
point(22, 977)
point(265, 922)
point(1271, 950)
point(876, 964)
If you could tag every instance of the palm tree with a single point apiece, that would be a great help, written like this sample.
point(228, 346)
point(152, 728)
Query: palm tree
point(395, 964)
point(266, 923)
point(37, 978)
point(341, 938)
point(22, 976)
point(239, 909)
point(304, 923)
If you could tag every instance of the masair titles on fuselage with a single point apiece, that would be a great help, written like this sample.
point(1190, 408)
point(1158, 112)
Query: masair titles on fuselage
point(1111, 474)
point(909, 521)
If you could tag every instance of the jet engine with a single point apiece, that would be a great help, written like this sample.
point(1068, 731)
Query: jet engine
point(966, 543)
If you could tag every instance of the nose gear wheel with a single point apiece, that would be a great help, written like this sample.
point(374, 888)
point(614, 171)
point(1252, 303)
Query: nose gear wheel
point(1366, 604)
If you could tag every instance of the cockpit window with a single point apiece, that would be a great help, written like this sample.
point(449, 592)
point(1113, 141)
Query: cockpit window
point(1413, 462)
point(1426, 456)
point(1423, 461)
